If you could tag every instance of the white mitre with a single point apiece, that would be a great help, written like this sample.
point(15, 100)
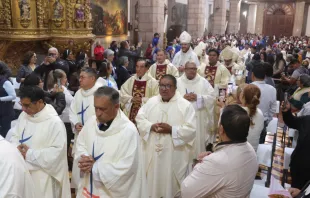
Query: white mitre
point(185, 37)
point(227, 54)
point(198, 49)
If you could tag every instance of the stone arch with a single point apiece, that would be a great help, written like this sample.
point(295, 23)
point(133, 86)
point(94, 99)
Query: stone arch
point(279, 19)
point(277, 8)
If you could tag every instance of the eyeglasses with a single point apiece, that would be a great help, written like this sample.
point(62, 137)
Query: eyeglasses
point(27, 106)
point(52, 54)
point(167, 87)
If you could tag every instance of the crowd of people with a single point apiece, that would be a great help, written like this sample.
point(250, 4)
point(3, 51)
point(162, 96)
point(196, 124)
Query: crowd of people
point(184, 121)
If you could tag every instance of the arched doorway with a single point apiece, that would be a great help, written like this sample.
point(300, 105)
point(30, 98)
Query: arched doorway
point(279, 20)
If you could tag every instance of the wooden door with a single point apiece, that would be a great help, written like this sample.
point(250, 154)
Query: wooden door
point(279, 20)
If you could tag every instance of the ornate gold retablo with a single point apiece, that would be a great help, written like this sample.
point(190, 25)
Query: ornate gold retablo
point(37, 25)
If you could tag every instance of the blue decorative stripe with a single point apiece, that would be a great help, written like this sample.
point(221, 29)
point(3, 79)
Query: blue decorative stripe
point(82, 113)
point(24, 140)
point(91, 172)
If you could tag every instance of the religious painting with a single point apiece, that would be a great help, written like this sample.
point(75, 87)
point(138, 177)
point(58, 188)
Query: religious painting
point(109, 17)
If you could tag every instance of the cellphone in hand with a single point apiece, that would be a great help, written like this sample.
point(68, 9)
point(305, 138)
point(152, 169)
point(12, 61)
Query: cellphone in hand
point(285, 99)
point(58, 82)
point(229, 88)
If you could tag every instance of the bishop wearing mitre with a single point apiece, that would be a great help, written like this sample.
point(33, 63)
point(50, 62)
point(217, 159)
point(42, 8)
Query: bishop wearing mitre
point(185, 54)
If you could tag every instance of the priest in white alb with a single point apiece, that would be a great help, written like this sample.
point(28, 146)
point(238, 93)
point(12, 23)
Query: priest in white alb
point(81, 109)
point(41, 138)
point(200, 50)
point(162, 67)
point(109, 152)
point(167, 126)
point(15, 180)
point(198, 91)
point(237, 71)
point(185, 54)
point(137, 90)
point(216, 73)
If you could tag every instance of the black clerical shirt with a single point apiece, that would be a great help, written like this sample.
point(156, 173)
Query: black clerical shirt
point(105, 126)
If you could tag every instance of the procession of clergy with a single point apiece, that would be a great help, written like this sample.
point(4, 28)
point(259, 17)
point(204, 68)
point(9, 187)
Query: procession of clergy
point(136, 142)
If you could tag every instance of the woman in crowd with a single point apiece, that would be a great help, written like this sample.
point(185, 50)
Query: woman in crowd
point(56, 98)
point(249, 98)
point(300, 96)
point(105, 78)
point(69, 58)
point(269, 73)
point(52, 81)
point(263, 56)
point(148, 52)
point(278, 66)
point(122, 72)
point(29, 64)
point(7, 95)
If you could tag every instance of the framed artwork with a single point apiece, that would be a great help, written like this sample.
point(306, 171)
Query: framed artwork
point(110, 17)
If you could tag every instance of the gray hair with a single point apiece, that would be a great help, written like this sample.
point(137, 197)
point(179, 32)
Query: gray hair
point(305, 80)
point(109, 92)
point(53, 48)
point(107, 53)
point(190, 62)
point(123, 60)
point(90, 71)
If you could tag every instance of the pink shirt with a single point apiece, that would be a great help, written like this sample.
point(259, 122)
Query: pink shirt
point(228, 172)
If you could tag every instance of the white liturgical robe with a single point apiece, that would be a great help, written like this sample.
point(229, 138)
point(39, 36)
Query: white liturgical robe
point(157, 70)
point(146, 87)
point(15, 180)
point(167, 156)
point(219, 76)
point(204, 107)
point(82, 108)
point(110, 82)
point(118, 171)
point(45, 135)
point(181, 58)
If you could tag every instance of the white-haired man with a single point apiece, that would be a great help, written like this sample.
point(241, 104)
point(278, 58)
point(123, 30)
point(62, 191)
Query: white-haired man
point(186, 54)
point(50, 63)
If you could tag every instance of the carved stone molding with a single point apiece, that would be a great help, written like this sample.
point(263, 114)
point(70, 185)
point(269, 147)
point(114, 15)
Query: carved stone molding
point(40, 13)
point(7, 13)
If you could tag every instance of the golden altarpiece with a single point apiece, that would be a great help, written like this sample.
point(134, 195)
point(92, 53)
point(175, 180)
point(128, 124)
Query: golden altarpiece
point(39, 24)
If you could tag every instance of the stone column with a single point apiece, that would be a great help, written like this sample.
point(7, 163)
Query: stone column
point(299, 17)
point(259, 18)
point(308, 23)
point(219, 21)
point(196, 18)
point(151, 19)
point(252, 18)
point(234, 16)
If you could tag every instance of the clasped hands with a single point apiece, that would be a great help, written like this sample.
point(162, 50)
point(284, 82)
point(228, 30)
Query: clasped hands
point(161, 128)
point(86, 163)
point(191, 97)
point(23, 148)
point(136, 100)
